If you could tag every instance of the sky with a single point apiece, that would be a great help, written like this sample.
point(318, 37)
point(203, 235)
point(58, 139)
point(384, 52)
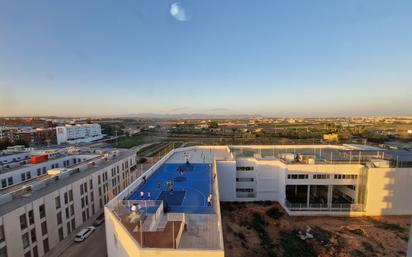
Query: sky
point(267, 57)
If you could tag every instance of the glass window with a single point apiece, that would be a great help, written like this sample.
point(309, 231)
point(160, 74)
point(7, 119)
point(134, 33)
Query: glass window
point(31, 217)
point(25, 239)
point(59, 218)
point(2, 238)
point(42, 211)
point(61, 235)
point(57, 200)
point(71, 195)
point(46, 245)
point(33, 235)
point(3, 252)
point(35, 252)
point(44, 228)
point(28, 254)
point(23, 221)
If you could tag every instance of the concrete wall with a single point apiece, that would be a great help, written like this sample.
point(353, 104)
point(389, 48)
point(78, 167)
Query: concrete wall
point(389, 191)
point(226, 173)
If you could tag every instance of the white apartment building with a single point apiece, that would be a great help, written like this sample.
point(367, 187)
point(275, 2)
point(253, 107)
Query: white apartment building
point(347, 180)
point(38, 213)
point(78, 133)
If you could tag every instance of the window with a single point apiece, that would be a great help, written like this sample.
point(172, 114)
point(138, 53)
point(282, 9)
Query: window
point(66, 199)
point(72, 209)
point(244, 190)
point(57, 200)
point(59, 218)
point(84, 216)
point(23, 221)
point(31, 217)
point(91, 197)
point(244, 179)
point(25, 239)
point(98, 180)
point(67, 212)
point(85, 187)
point(3, 182)
point(28, 175)
point(82, 201)
point(44, 170)
point(81, 189)
point(42, 211)
point(46, 245)
point(28, 254)
point(73, 224)
point(91, 184)
point(23, 176)
point(244, 168)
point(43, 228)
point(33, 235)
point(2, 238)
point(35, 252)
point(68, 227)
point(3, 252)
point(71, 195)
point(10, 181)
point(61, 235)
point(38, 172)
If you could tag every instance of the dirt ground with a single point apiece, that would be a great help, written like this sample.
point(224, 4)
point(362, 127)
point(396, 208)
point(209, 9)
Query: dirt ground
point(264, 229)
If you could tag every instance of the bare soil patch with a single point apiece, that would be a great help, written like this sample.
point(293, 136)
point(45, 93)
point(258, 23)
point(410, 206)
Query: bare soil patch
point(265, 229)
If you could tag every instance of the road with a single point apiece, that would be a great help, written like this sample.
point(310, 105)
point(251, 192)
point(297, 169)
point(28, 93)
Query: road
point(94, 246)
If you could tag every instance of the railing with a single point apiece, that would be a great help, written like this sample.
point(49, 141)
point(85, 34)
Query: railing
point(323, 207)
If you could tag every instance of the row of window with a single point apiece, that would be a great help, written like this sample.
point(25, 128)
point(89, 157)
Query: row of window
point(244, 190)
point(247, 168)
point(245, 179)
point(322, 176)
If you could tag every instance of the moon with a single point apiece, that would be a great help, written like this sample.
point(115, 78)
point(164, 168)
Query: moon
point(178, 12)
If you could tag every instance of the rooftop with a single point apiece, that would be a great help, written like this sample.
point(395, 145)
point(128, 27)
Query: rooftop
point(24, 193)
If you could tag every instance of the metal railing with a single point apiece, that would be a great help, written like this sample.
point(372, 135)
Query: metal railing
point(340, 207)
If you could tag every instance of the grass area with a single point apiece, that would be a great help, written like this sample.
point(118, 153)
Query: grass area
point(294, 246)
point(128, 142)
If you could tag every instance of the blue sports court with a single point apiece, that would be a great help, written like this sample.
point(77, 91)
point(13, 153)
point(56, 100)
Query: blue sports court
point(182, 187)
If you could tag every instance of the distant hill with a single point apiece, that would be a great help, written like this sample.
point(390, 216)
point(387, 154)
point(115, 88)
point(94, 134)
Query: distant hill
point(184, 116)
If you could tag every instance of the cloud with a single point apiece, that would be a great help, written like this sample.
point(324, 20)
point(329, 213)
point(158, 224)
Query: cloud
point(178, 12)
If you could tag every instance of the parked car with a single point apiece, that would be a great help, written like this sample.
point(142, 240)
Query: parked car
point(84, 233)
point(99, 220)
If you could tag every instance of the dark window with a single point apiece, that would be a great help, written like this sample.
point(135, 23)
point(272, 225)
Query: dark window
point(25, 239)
point(44, 228)
point(35, 252)
point(28, 175)
point(72, 209)
point(68, 227)
point(46, 245)
point(42, 211)
point(2, 238)
point(73, 224)
point(33, 235)
point(81, 189)
point(59, 218)
point(66, 199)
point(31, 217)
point(38, 172)
point(91, 184)
point(67, 212)
point(10, 181)
point(28, 254)
point(23, 176)
point(23, 221)
point(3, 252)
point(71, 195)
point(3, 182)
point(85, 187)
point(57, 199)
point(61, 236)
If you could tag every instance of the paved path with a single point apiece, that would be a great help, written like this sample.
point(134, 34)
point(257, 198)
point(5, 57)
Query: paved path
point(94, 246)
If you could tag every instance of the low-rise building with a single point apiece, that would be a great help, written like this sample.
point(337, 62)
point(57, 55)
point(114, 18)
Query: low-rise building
point(37, 213)
point(73, 134)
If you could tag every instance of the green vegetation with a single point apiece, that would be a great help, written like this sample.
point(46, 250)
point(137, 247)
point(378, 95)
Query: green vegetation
point(294, 246)
point(258, 224)
point(127, 142)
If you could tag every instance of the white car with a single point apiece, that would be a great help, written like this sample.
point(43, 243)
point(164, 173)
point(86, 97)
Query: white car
point(84, 233)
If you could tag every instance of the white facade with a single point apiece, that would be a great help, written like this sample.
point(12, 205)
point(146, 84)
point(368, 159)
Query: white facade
point(35, 220)
point(78, 133)
point(317, 185)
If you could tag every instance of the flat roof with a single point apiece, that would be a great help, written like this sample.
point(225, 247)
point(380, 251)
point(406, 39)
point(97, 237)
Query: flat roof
point(55, 185)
